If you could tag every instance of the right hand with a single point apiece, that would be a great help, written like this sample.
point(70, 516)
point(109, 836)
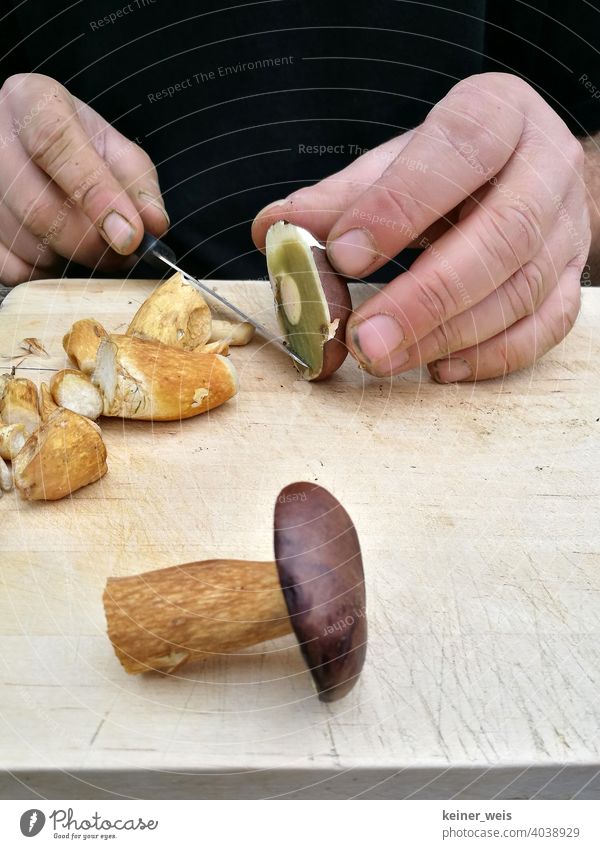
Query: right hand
point(71, 186)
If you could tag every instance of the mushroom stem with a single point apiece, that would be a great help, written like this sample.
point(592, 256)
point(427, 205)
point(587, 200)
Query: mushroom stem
point(162, 619)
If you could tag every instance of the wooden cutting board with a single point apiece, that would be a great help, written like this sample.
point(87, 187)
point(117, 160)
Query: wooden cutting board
point(477, 508)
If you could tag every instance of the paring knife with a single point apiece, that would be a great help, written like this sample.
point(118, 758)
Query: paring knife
point(157, 254)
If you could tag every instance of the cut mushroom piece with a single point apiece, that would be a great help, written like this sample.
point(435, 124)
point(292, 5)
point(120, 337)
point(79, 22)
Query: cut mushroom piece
point(140, 379)
point(219, 347)
point(233, 332)
point(175, 314)
point(65, 454)
point(6, 480)
point(163, 619)
point(12, 438)
point(81, 343)
point(47, 403)
point(312, 301)
point(75, 391)
point(19, 403)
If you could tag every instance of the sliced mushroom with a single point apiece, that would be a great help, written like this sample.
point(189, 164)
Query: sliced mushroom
point(75, 391)
point(175, 314)
point(19, 403)
point(312, 301)
point(141, 379)
point(12, 438)
point(82, 341)
point(65, 454)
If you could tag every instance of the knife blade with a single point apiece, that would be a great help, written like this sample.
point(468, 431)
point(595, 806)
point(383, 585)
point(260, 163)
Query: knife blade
point(156, 253)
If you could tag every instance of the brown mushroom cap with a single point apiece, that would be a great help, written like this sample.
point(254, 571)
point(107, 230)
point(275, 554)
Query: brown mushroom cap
point(321, 574)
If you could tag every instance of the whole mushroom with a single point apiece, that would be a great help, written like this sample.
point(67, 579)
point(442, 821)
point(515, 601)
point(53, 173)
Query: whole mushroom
point(163, 619)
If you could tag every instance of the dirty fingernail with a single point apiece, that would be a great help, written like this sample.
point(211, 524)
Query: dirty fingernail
point(376, 338)
point(118, 231)
point(353, 252)
point(157, 203)
point(451, 370)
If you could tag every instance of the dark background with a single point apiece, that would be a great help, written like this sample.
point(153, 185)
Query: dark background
point(359, 73)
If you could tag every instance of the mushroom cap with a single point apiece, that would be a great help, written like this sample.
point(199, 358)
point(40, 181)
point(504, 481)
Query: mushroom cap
point(321, 575)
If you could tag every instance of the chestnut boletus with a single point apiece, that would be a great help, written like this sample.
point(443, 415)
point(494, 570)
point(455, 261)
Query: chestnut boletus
point(312, 300)
point(163, 619)
point(321, 574)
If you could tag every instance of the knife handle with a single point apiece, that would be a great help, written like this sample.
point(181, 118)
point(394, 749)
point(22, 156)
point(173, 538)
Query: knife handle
point(152, 249)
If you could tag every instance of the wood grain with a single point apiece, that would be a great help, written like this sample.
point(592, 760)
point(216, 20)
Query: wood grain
point(477, 509)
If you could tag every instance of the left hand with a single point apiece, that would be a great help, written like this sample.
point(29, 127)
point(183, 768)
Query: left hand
point(491, 186)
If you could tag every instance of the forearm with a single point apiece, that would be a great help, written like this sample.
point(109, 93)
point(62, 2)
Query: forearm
point(591, 146)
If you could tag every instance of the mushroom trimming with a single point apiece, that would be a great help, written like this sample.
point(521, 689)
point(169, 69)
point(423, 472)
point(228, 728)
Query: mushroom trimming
point(19, 403)
point(141, 379)
point(163, 619)
point(312, 301)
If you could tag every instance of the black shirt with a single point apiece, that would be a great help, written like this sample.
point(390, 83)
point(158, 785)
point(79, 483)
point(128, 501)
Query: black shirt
point(238, 104)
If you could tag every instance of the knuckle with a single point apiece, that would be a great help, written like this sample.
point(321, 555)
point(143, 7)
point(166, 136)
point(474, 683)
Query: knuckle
point(509, 359)
point(398, 198)
point(12, 84)
point(435, 299)
point(511, 233)
point(89, 194)
point(525, 290)
point(40, 216)
point(447, 338)
point(462, 122)
point(49, 140)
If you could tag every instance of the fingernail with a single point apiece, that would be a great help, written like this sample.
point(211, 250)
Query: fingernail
point(376, 338)
point(118, 231)
point(451, 370)
point(156, 203)
point(353, 252)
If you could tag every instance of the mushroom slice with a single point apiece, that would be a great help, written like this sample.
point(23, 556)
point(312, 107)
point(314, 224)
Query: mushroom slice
point(75, 391)
point(66, 453)
point(12, 438)
point(19, 403)
point(82, 341)
point(175, 314)
point(312, 301)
